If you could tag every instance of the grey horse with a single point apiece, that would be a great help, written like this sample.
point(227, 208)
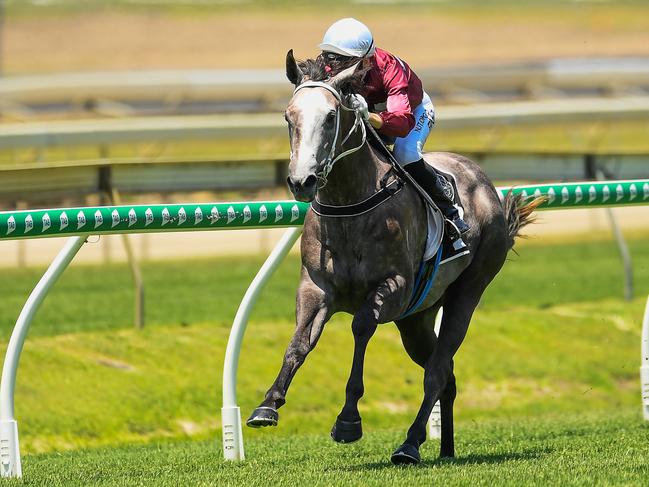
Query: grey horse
point(366, 265)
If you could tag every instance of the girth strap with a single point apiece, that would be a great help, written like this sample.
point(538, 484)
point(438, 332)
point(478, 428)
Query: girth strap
point(384, 194)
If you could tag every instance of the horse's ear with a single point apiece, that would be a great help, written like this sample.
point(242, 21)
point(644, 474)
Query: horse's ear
point(346, 79)
point(293, 71)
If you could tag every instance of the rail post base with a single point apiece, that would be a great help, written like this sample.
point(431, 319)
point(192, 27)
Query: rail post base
point(435, 422)
point(9, 449)
point(232, 433)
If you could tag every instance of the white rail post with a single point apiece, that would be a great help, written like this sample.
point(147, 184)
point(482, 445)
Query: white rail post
point(435, 419)
point(230, 412)
point(644, 365)
point(9, 449)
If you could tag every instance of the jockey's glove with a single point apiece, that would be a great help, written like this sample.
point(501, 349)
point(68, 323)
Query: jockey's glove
point(359, 104)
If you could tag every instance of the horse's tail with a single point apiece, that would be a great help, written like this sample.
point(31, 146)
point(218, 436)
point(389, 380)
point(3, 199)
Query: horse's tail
point(518, 213)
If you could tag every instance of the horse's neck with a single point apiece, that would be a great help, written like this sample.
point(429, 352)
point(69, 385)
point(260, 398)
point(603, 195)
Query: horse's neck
point(354, 177)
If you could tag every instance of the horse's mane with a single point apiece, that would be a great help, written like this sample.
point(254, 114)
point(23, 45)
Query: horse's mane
point(316, 70)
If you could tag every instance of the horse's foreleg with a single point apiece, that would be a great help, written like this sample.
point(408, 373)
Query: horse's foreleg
point(348, 426)
point(311, 315)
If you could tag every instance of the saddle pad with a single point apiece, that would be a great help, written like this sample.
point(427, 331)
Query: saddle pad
point(435, 232)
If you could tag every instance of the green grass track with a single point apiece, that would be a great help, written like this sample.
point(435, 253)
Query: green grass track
point(547, 379)
point(588, 449)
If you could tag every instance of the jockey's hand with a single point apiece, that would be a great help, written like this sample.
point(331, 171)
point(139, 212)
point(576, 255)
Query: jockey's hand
point(359, 104)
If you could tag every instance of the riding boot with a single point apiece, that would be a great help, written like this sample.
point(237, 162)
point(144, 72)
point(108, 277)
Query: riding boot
point(427, 177)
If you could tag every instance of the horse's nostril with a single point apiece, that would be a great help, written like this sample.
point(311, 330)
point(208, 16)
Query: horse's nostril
point(310, 181)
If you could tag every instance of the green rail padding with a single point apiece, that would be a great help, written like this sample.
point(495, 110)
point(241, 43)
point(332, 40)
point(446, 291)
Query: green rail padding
point(104, 220)
point(590, 194)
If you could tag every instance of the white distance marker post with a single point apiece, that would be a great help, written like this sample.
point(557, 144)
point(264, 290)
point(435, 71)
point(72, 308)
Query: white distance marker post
point(435, 419)
point(10, 465)
point(230, 412)
point(644, 365)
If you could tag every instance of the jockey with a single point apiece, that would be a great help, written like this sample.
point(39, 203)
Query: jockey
point(394, 103)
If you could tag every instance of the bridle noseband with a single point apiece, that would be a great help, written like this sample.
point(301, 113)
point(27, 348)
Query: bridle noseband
point(358, 122)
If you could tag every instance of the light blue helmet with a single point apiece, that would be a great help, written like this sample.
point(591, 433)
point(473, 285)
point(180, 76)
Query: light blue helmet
point(348, 37)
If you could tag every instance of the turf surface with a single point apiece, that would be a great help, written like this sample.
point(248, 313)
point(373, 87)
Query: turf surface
point(586, 449)
point(547, 379)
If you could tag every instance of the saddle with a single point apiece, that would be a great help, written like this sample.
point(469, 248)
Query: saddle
point(451, 249)
point(437, 252)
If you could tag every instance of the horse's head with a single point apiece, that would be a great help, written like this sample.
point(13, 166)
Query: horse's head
point(316, 115)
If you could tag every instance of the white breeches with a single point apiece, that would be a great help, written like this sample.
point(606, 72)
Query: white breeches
point(410, 148)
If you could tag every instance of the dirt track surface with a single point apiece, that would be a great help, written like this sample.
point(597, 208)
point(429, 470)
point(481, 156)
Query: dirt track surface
point(259, 38)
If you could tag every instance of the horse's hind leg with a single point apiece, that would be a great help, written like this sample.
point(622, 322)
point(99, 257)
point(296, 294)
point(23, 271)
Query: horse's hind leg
point(419, 339)
point(458, 308)
point(447, 444)
point(311, 315)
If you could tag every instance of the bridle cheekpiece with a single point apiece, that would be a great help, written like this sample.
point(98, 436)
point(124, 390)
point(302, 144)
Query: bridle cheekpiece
point(358, 122)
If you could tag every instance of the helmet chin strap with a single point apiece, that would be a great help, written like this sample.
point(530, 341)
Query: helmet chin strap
point(358, 122)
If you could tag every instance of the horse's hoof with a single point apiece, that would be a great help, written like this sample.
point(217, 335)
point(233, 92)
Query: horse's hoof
point(347, 431)
point(406, 455)
point(263, 416)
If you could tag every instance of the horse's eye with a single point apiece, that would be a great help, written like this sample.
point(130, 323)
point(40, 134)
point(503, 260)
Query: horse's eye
point(331, 116)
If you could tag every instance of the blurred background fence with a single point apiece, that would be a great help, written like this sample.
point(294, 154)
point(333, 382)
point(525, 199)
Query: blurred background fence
point(123, 100)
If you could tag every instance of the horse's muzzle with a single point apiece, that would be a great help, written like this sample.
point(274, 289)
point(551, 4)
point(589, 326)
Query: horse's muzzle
point(305, 189)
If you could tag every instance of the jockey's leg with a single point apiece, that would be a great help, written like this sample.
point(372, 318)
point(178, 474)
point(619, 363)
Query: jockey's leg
point(433, 184)
point(408, 152)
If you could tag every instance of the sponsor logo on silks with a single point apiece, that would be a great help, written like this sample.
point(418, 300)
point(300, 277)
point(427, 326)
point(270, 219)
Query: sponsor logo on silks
point(247, 214)
point(29, 223)
point(81, 220)
point(214, 215)
point(551, 196)
point(592, 194)
point(619, 192)
point(537, 193)
point(565, 195)
point(263, 213)
point(578, 194)
point(182, 216)
point(115, 218)
point(148, 217)
point(231, 214)
point(63, 220)
point(166, 217)
point(607, 193)
point(295, 213)
point(132, 217)
point(47, 222)
point(198, 215)
point(279, 213)
point(11, 225)
point(633, 190)
point(99, 219)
